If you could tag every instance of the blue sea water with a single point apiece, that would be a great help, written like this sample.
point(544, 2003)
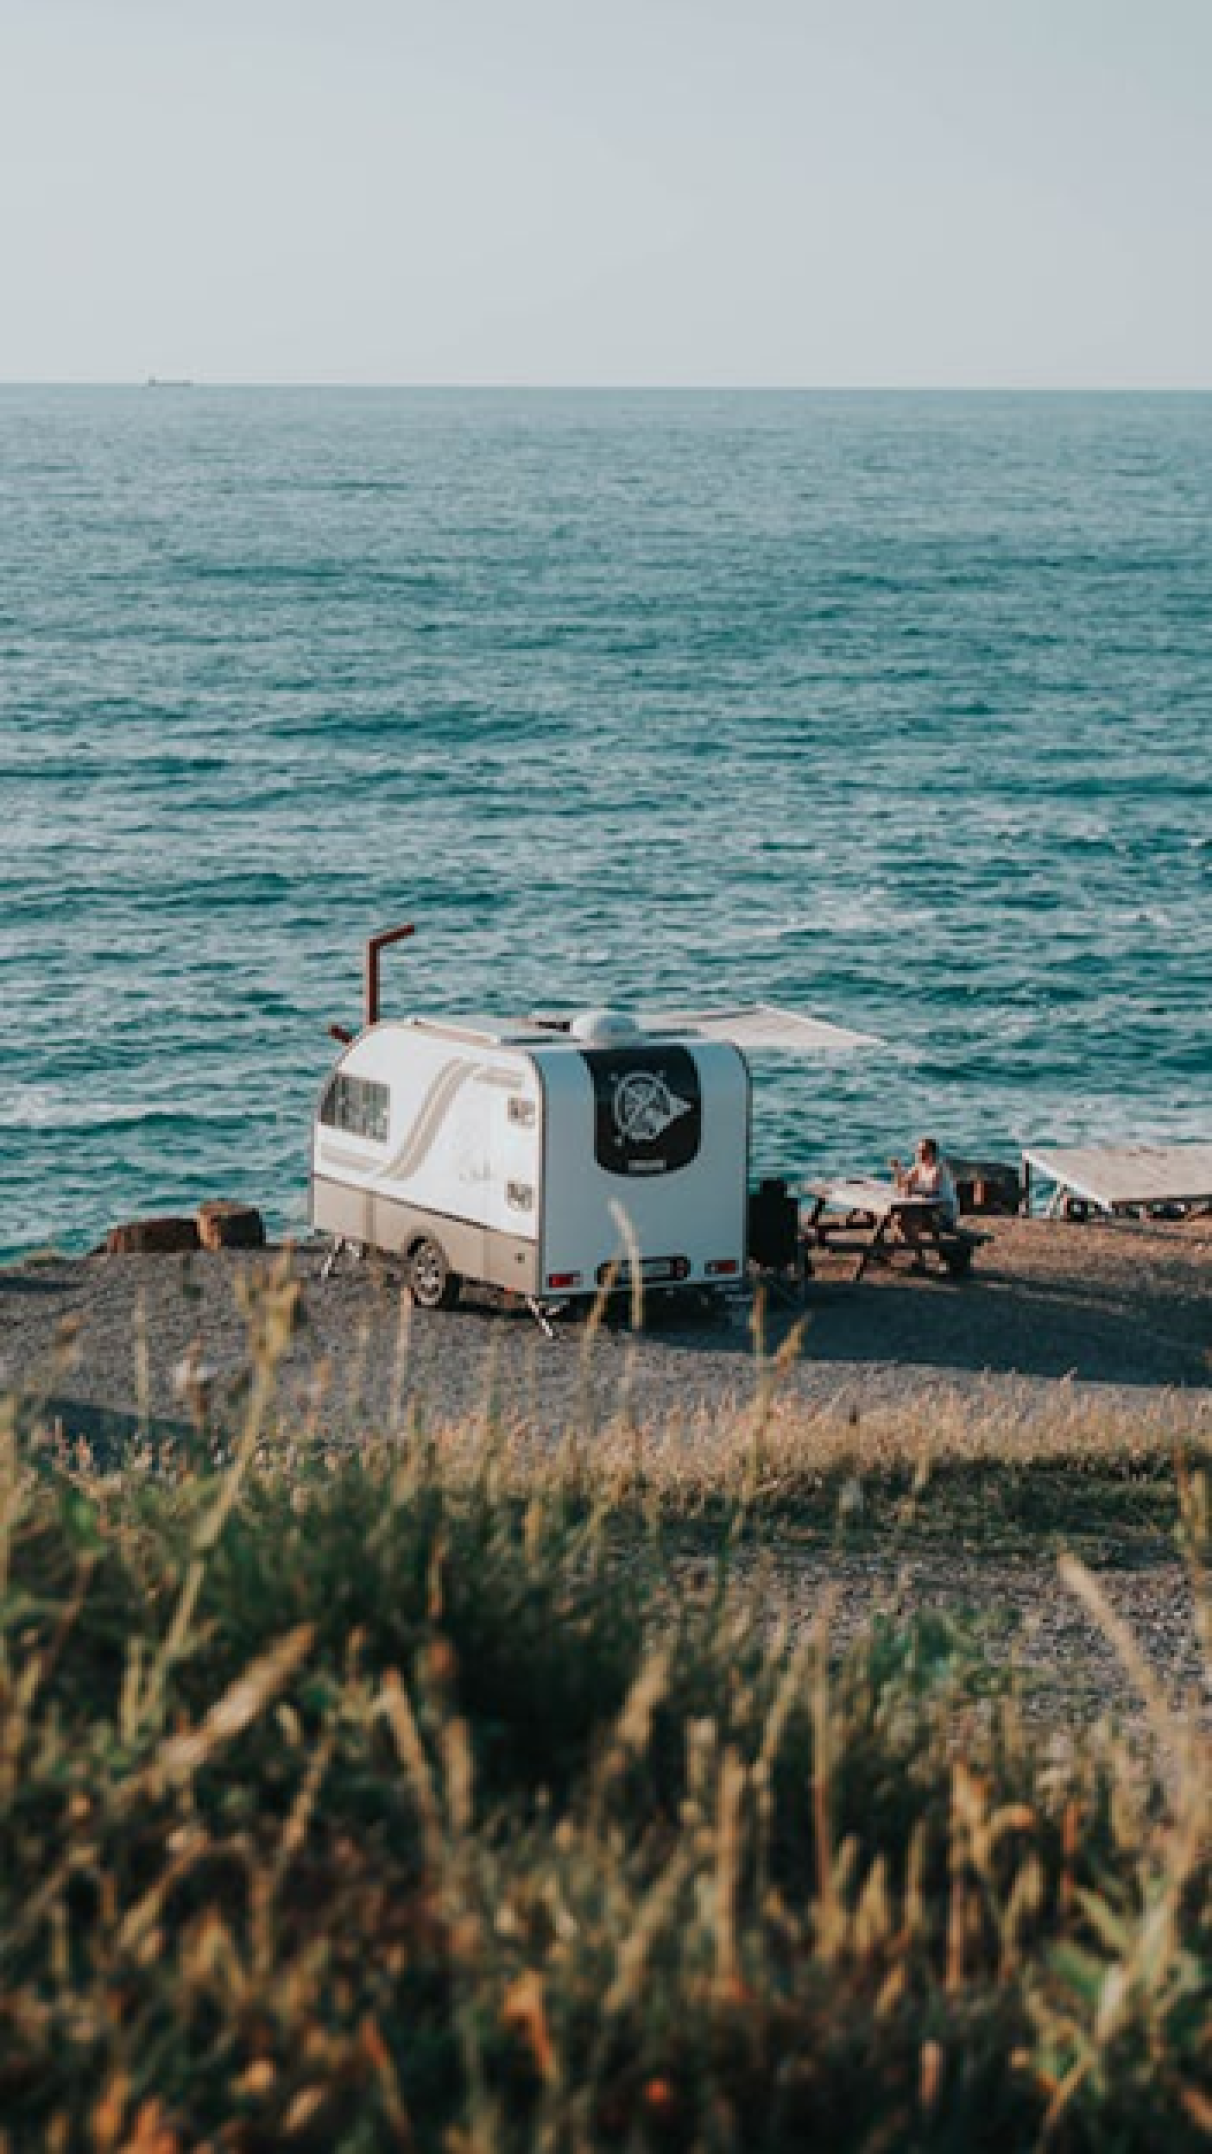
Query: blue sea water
point(896, 708)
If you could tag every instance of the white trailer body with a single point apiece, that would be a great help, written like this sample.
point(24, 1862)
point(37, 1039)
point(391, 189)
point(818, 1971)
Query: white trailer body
point(538, 1160)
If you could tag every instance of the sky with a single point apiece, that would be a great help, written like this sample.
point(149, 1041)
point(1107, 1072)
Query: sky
point(832, 193)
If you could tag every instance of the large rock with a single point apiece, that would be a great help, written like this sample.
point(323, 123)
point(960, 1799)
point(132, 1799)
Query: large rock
point(166, 1236)
point(224, 1224)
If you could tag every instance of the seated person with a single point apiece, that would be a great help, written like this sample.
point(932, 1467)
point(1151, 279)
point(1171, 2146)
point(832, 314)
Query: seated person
point(928, 1177)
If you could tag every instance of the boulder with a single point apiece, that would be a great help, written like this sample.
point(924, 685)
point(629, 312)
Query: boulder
point(166, 1236)
point(224, 1224)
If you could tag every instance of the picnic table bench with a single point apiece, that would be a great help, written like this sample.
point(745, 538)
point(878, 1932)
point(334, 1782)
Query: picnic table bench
point(876, 1221)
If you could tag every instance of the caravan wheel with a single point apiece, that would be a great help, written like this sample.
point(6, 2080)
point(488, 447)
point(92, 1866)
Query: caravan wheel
point(434, 1284)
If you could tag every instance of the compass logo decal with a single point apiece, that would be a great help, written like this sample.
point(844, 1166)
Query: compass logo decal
point(644, 1107)
point(648, 1108)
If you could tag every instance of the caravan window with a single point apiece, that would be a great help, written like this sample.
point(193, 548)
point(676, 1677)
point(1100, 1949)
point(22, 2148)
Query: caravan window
point(359, 1106)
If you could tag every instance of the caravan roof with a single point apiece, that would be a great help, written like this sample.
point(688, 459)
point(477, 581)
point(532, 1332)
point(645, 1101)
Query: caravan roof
point(484, 1031)
point(752, 1026)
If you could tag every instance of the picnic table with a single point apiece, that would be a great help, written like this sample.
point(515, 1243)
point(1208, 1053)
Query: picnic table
point(876, 1221)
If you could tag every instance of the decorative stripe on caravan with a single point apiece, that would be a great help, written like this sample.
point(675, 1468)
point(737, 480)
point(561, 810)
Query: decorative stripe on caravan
point(434, 1108)
point(332, 1155)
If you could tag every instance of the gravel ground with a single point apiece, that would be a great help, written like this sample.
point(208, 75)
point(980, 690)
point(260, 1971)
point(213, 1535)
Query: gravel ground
point(1121, 1314)
point(1058, 1319)
point(1027, 1618)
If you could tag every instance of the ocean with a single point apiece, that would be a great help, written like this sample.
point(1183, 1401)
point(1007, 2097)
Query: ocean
point(895, 708)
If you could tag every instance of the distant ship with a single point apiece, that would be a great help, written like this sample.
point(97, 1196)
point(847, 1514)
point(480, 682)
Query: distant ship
point(167, 381)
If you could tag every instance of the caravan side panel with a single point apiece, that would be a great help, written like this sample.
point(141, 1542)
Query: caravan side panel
point(443, 1137)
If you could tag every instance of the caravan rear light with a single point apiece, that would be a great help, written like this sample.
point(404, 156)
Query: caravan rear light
point(722, 1268)
point(561, 1279)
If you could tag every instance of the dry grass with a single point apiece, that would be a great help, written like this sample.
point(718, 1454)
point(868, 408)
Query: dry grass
point(364, 1800)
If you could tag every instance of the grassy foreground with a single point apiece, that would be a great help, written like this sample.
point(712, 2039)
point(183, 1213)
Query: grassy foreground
point(369, 1802)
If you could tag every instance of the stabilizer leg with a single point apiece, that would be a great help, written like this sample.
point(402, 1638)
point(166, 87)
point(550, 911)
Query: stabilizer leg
point(542, 1314)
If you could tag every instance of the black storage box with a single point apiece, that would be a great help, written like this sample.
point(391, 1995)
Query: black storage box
point(774, 1226)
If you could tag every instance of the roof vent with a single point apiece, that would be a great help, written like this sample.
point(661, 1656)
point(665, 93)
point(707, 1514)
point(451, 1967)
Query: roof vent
point(605, 1028)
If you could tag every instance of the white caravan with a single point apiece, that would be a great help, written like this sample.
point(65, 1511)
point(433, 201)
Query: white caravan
point(546, 1156)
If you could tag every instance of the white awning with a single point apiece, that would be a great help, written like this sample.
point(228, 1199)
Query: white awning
point(755, 1026)
point(1113, 1174)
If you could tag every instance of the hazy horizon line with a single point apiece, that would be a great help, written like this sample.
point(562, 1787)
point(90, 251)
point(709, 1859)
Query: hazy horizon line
point(608, 388)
